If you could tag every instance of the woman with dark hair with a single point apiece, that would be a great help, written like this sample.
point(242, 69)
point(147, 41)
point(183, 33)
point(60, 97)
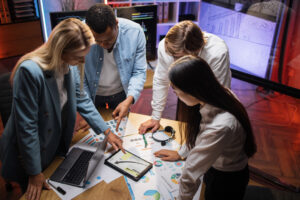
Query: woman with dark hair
point(218, 133)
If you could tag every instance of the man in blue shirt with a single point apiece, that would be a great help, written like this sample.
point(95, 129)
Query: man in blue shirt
point(115, 67)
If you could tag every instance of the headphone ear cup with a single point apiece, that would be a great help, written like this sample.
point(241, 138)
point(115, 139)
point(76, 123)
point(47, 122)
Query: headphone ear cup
point(169, 129)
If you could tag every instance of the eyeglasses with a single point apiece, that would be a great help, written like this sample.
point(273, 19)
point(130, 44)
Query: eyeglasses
point(160, 136)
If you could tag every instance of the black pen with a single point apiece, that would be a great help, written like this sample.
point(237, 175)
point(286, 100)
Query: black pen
point(59, 189)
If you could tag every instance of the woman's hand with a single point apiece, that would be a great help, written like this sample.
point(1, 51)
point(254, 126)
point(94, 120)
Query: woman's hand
point(167, 155)
point(35, 185)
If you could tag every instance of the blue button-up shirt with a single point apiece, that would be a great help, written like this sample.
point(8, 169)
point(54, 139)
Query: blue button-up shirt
point(130, 57)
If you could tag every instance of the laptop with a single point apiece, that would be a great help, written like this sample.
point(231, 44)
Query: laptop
point(79, 165)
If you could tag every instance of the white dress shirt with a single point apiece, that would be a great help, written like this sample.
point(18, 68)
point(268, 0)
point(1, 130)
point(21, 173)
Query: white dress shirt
point(214, 52)
point(219, 144)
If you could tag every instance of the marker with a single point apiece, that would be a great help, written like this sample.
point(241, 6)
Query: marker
point(59, 189)
point(145, 141)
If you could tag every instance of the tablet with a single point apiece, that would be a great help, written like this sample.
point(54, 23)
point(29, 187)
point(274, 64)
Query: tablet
point(129, 164)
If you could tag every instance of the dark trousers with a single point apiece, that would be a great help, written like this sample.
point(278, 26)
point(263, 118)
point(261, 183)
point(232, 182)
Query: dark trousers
point(112, 101)
point(225, 185)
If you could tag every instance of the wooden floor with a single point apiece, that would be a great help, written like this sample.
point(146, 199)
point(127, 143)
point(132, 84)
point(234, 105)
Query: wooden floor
point(276, 123)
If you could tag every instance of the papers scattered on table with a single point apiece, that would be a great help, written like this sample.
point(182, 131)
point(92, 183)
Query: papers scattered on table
point(92, 138)
point(161, 182)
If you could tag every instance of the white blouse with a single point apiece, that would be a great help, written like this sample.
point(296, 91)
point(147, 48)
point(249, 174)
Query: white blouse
point(220, 144)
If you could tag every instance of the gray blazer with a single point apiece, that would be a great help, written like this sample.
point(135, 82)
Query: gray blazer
point(33, 133)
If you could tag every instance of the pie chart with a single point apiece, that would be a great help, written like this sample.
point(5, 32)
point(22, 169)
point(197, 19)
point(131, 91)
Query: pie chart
point(175, 178)
point(158, 163)
point(178, 164)
point(151, 195)
point(145, 179)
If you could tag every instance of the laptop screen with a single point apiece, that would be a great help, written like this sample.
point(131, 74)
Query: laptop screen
point(97, 157)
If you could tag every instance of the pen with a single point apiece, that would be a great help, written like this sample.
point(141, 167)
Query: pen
point(59, 189)
point(145, 141)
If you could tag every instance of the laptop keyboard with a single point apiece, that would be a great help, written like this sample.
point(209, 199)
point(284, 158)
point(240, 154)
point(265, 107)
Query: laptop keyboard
point(78, 170)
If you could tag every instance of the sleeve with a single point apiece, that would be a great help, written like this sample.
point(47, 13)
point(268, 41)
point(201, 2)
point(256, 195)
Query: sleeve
point(208, 148)
point(221, 68)
point(25, 108)
point(183, 151)
point(160, 82)
point(86, 86)
point(87, 109)
point(138, 77)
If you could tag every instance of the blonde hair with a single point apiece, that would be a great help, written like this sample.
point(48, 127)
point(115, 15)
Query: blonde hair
point(69, 35)
point(185, 37)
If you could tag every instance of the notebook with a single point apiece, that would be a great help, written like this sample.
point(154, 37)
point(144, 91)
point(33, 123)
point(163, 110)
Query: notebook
point(79, 165)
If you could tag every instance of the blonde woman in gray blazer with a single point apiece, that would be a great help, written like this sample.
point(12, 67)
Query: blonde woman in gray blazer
point(47, 92)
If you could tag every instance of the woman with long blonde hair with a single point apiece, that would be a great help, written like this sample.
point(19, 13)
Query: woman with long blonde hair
point(47, 92)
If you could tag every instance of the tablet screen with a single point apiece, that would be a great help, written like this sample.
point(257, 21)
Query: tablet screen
point(129, 164)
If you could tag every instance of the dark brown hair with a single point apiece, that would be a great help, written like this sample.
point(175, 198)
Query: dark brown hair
point(193, 76)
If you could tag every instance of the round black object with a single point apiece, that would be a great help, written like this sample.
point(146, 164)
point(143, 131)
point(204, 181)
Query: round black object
point(169, 129)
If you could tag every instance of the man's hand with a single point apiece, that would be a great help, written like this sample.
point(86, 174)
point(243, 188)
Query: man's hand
point(149, 124)
point(167, 155)
point(122, 110)
point(114, 140)
point(35, 185)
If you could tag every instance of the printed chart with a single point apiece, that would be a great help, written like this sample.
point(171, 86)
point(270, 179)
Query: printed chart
point(92, 138)
point(161, 182)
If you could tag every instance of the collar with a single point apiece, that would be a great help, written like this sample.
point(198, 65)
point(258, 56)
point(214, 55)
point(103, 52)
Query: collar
point(208, 112)
point(205, 37)
point(118, 37)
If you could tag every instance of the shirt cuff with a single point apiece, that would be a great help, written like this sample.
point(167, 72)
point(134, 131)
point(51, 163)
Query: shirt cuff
point(156, 115)
point(183, 151)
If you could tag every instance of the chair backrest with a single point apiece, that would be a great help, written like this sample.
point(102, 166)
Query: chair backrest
point(5, 97)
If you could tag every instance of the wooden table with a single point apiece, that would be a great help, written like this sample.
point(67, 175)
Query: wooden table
point(149, 79)
point(135, 119)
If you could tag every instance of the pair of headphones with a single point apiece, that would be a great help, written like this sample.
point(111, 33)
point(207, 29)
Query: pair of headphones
point(160, 136)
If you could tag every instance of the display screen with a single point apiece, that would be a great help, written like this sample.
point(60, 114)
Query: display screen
point(146, 16)
point(249, 38)
point(129, 164)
